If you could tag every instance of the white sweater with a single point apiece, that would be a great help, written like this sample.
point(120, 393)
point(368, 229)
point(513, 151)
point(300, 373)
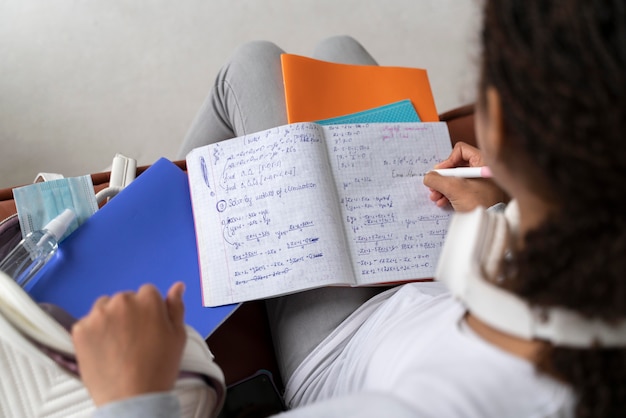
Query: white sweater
point(405, 353)
point(410, 350)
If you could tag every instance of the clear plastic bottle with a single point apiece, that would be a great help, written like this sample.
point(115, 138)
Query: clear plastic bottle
point(36, 249)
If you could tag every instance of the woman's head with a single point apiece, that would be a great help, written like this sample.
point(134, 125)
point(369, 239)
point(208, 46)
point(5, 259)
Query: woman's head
point(556, 72)
point(559, 68)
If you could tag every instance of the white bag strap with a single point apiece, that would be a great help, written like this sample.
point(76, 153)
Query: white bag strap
point(32, 321)
point(41, 177)
point(25, 315)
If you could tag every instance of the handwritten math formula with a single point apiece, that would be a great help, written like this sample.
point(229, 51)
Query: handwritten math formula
point(302, 205)
point(380, 193)
point(272, 202)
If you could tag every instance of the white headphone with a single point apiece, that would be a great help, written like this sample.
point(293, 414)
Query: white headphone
point(475, 245)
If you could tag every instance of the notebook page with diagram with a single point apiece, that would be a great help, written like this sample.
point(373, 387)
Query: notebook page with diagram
point(303, 206)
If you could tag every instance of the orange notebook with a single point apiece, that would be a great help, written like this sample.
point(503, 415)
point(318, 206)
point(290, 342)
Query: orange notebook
point(317, 89)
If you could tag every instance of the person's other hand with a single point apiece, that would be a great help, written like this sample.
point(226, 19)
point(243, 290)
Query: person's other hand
point(463, 194)
point(131, 343)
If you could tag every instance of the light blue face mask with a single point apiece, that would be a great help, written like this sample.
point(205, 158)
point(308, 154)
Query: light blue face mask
point(39, 203)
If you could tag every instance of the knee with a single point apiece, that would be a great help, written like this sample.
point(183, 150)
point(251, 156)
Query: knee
point(251, 63)
point(344, 49)
point(338, 41)
point(254, 52)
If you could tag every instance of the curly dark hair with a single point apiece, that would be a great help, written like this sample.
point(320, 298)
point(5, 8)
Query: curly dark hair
point(560, 70)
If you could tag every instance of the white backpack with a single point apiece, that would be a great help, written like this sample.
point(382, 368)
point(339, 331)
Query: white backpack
point(36, 358)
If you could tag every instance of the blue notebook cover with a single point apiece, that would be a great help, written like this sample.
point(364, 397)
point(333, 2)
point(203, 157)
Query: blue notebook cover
point(402, 111)
point(143, 235)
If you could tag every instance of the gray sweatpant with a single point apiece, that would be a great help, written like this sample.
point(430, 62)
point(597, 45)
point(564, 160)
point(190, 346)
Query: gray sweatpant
point(248, 96)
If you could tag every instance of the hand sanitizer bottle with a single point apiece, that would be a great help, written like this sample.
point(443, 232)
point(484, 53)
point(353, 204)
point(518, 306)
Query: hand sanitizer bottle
point(36, 249)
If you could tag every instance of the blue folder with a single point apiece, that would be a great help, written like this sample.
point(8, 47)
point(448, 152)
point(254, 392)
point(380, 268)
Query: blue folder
point(143, 235)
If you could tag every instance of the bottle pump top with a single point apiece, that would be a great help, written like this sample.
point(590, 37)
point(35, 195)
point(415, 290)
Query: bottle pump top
point(59, 225)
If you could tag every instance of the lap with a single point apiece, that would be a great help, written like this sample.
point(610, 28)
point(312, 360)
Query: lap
point(248, 96)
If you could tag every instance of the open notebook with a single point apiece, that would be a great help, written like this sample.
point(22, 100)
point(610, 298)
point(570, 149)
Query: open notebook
point(303, 205)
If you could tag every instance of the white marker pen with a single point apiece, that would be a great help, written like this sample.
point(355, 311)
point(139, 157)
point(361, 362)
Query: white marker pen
point(465, 172)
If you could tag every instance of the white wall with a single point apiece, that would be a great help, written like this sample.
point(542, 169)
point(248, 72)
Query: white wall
point(82, 80)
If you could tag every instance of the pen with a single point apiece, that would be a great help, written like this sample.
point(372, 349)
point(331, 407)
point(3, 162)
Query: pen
point(465, 172)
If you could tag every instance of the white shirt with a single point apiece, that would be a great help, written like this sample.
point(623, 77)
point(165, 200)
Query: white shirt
point(408, 348)
point(405, 353)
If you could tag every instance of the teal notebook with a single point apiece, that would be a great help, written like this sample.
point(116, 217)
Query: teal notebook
point(402, 111)
point(143, 235)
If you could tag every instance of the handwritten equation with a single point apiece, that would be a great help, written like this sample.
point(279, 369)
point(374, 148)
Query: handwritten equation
point(302, 205)
point(392, 227)
point(269, 198)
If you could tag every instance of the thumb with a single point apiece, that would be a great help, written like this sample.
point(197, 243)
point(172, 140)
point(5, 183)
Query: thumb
point(175, 305)
point(447, 186)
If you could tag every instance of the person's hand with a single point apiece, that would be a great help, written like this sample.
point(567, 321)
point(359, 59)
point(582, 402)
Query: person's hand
point(463, 194)
point(131, 343)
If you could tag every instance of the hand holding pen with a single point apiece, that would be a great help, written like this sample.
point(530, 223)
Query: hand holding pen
point(465, 172)
point(462, 181)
